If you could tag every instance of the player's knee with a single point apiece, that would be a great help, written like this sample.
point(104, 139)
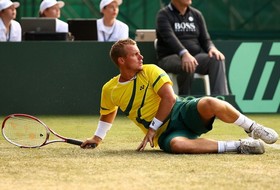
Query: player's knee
point(207, 102)
point(208, 107)
point(210, 102)
point(175, 146)
point(180, 145)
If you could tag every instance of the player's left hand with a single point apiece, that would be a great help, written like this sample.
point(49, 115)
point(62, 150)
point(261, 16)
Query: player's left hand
point(148, 138)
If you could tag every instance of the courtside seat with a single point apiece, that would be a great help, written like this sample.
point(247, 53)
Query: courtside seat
point(206, 82)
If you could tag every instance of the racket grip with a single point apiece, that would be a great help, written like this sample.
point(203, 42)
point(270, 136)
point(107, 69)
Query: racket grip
point(77, 142)
point(73, 141)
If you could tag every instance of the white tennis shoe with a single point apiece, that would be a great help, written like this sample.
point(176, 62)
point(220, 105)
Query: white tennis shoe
point(251, 146)
point(258, 131)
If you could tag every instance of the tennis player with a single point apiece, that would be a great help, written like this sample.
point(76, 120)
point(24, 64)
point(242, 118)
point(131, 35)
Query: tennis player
point(144, 93)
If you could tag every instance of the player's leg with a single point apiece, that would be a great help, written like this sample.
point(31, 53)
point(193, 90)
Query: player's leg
point(182, 134)
point(183, 145)
point(209, 107)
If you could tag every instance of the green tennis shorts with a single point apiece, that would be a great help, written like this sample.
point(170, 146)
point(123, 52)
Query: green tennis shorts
point(185, 121)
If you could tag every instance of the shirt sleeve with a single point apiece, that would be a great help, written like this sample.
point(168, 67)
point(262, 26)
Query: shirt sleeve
point(204, 37)
point(16, 32)
point(158, 77)
point(106, 104)
point(124, 32)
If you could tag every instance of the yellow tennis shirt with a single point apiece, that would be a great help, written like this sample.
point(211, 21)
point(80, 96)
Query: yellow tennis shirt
point(137, 98)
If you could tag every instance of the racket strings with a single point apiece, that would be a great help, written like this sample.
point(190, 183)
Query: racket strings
point(25, 132)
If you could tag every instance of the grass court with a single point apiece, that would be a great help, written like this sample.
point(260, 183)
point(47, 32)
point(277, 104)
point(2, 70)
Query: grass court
point(116, 165)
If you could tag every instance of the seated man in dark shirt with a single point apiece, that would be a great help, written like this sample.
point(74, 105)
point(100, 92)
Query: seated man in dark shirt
point(184, 47)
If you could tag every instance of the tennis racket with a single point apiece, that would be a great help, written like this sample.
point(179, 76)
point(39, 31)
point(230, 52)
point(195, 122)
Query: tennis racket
point(27, 131)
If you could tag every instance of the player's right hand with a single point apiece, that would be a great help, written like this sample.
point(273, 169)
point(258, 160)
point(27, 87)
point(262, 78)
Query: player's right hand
point(91, 143)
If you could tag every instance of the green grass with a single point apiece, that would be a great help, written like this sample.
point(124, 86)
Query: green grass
point(116, 165)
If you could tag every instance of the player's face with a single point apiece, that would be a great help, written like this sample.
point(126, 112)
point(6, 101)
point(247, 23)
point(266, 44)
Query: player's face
point(133, 60)
point(52, 12)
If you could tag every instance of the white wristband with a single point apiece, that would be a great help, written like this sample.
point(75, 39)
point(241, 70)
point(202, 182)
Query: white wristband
point(155, 124)
point(102, 129)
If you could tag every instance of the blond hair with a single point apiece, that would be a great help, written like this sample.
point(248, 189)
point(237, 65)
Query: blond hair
point(117, 49)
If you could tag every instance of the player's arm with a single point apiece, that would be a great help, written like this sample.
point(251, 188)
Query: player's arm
point(104, 125)
point(168, 99)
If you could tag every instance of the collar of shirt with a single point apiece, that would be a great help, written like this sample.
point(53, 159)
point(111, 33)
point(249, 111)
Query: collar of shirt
point(103, 28)
point(174, 9)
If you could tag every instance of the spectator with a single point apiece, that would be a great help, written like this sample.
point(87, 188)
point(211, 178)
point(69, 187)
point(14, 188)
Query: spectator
point(184, 47)
point(109, 28)
point(51, 9)
point(10, 30)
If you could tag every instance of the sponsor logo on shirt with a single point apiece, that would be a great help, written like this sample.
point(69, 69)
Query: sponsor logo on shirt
point(185, 26)
point(142, 87)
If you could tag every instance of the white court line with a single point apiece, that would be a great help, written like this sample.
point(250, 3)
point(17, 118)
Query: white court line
point(275, 146)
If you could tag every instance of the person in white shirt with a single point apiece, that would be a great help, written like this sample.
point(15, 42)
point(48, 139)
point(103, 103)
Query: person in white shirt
point(109, 28)
point(51, 9)
point(10, 30)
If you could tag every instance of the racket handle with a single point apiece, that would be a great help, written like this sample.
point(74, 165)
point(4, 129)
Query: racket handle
point(77, 142)
point(73, 141)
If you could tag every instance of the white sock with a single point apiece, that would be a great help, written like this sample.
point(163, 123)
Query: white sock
point(244, 122)
point(228, 146)
point(221, 146)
